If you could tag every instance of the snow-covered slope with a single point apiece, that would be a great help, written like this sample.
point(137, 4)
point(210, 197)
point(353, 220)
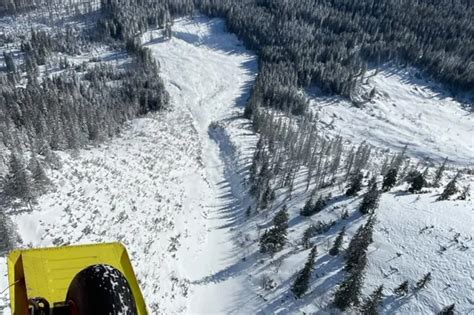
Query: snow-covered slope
point(208, 72)
point(405, 110)
point(170, 188)
point(160, 187)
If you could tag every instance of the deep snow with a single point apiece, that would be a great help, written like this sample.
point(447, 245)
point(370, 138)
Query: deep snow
point(406, 110)
point(170, 188)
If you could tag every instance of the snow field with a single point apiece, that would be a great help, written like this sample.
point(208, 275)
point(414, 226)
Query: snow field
point(405, 110)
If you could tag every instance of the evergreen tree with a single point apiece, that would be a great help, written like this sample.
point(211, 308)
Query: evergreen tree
point(301, 284)
point(337, 243)
point(402, 289)
point(307, 209)
point(39, 176)
point(423, 281)
point(447, 310)
point(310, 209)
point(274, 239)
point(307, 235)
point(390, 179)
point(417, 181)
point(9, 62)
point(359, 243)
point(348, 292)
point(19, 181)
point(450, 188)
point(372, 303)
point(280, 221)
point(370, 201)
point(355, 184)
point(439, 173)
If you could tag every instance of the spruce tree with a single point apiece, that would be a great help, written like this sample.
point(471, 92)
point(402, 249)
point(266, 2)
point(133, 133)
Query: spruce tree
point(310, 209)
point(307, 235)
point(390, 179)
point(359, 243)
point(348, 292)
point(274, 239)
point(447, 310)
point(355, 184)
point(372, 303)
point(40, 178)
point(450, 188)
point(370, 201)
point(301, 284)
point(319, 205)
point(402, 289)
point(280, 221)
point(307, 209)
point(337, 243)
point(439, 173)
point(19, 181)
point(423, 281)
point(417, 181)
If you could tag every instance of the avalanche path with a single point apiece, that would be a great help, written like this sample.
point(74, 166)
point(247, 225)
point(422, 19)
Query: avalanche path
point(209, 73)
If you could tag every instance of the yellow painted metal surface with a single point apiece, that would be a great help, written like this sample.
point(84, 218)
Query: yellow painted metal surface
point(47, 272)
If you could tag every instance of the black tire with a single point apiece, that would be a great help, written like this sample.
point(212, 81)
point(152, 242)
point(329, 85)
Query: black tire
point(101, 290)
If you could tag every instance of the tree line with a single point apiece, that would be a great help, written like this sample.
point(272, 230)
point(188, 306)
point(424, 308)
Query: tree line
point(331, 43)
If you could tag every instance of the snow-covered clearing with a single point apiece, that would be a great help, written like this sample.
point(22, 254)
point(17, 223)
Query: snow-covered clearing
point(161, 188)
point(405, 110)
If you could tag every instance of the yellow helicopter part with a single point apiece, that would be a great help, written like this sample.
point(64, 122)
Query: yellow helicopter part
point(47, 272)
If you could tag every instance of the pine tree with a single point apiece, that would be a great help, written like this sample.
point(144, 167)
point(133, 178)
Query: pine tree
point(307, 209)
point(337, 243)
point(301, 284)
point(402, 289)
point(307, 235)
point(10, 64)
point(310, 209)
point(439, 173)
point(348, 292)
point(372, 303)
point(423, 281)
point(417, 181)
point(447, 310)
point(40, 178)
point(390, 179)
point(319, 205)
point(280, 221)
point(355, 184)
point(274, 239)
point(19, 181)
point(370, 201)
point(450, 188)
point(359, 243)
